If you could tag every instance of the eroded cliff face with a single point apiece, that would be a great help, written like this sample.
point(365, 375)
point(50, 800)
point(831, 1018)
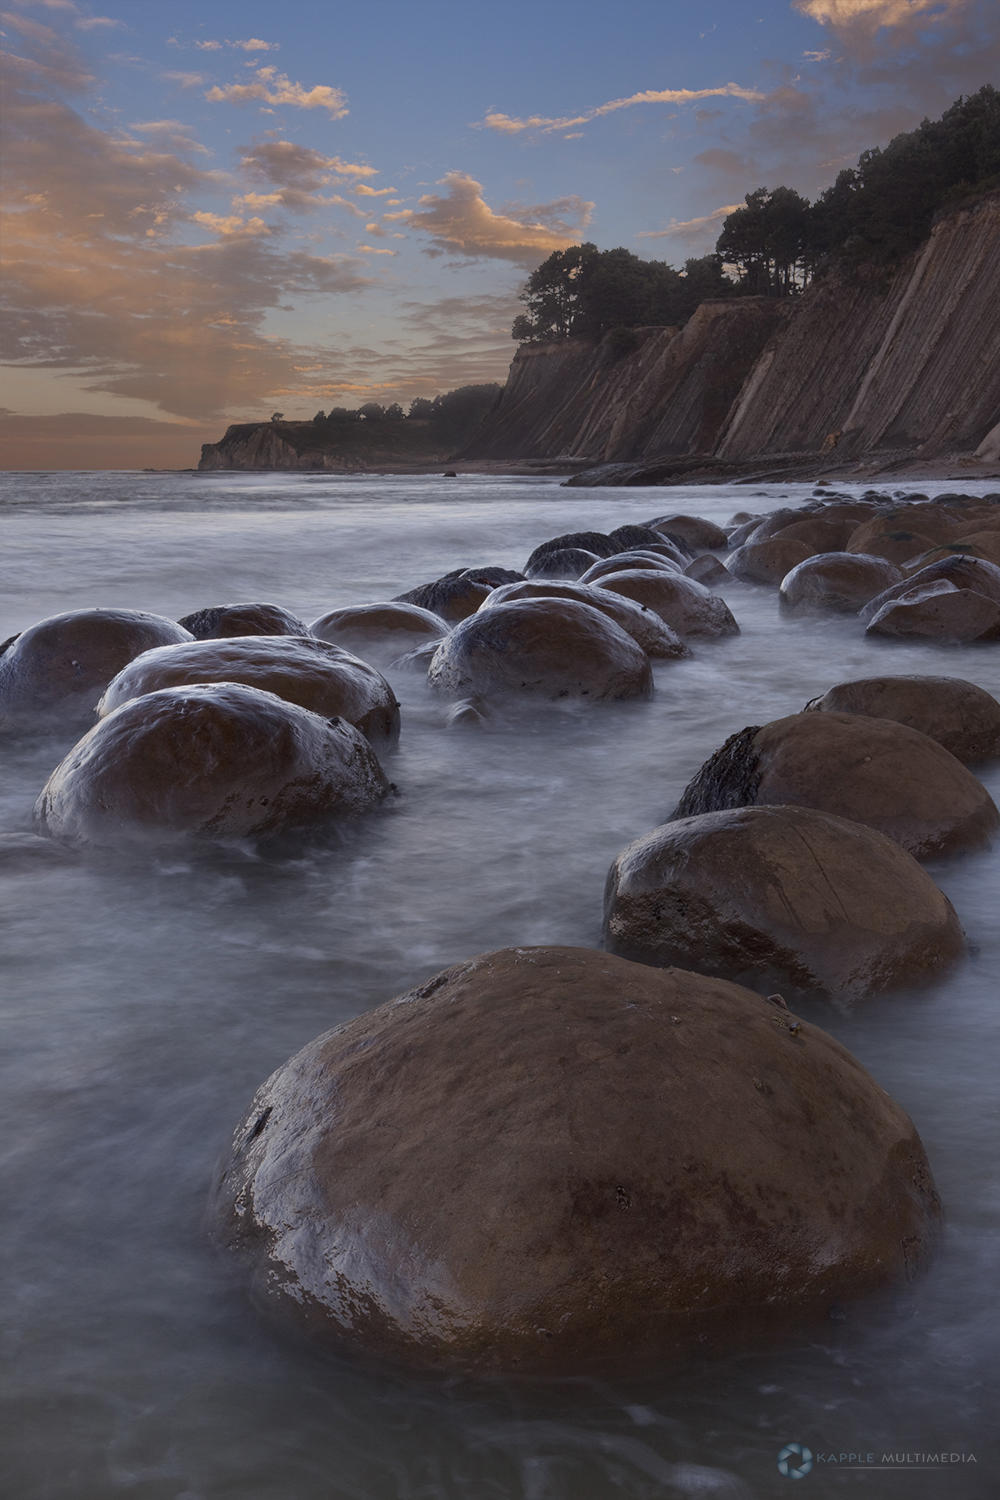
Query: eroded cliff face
point(353, 447)
point(857, 365)
point(863, 366)
point(670, 394)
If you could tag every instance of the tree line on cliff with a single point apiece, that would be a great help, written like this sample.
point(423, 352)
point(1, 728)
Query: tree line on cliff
point(874, 213)
point(453, 416)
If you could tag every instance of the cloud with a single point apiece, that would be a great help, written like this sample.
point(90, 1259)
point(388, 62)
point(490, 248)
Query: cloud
point(170, 135)
point(254, 44)
point(732, 163)
point(298, 173)
point(209, 46)
point(507, 125)
point(463, 224)
point(691, 231)
point(369, 192)
point(98, 277)
point(87, 23)
point(277, 88)
point(186, 80)
point(371, 250)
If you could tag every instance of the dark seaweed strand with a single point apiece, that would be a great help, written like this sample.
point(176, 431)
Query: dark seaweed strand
point(729, 778)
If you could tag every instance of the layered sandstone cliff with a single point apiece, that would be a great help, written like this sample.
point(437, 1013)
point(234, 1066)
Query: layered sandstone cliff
point(342, 447)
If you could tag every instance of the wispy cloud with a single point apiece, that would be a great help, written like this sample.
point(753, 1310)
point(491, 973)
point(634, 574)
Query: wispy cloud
point(509, 125)
point(693, 231)
point(277, 88)
point(462, 223)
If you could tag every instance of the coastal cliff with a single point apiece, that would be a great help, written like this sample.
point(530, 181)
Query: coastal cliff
point(348, 447)
point(861, 363)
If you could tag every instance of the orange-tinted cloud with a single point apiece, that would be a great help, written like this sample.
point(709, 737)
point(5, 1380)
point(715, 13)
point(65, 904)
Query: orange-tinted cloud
point(277, 88)
point(508, 125)
point(296, 173)
point(462, 223)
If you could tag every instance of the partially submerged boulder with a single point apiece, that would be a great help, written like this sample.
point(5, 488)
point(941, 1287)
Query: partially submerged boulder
point(645, 628)
point(565, 562)
point(818, 534)
point(938, 612)
point(962, 717)
point(708, 570)
point(694, 530)
point(973, 573)
point(218, 621)
point(548, 647)
point(52, 675)
point(326, 679)
point(216, 761)
point(624, 560)
point(552, 1161)
point(873, 771)
point(379, 632)
point(597, 542)
point(767, 561)
point(842, 581)
point(781, 898)
point(453, 598)
point(686, 606)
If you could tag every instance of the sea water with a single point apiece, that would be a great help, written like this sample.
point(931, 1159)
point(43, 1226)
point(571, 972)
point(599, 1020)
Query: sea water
point(146, 1000)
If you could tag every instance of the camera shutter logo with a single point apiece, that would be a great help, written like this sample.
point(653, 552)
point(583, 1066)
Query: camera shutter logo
point(795, 1461)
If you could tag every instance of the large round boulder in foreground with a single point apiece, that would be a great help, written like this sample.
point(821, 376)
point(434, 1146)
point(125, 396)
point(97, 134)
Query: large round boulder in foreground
point(214, 761)
point(52, 674)
point(645, 628)
point(555, 648)
point(379, 632)
point(218, 621)
point(549, 1160)
point(781, 898)
point(323, 678)
point(686, 606)
point(841, 581)
point(871, 771)
point(959, 715)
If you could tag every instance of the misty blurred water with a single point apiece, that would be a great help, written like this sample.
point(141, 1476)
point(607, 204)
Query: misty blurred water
point(146, 1002)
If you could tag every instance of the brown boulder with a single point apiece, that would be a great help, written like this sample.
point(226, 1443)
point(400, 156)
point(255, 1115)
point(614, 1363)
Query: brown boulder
point(818, 534)
point(708, 570)
point(980, 544)
point(680, 602)
point(645, 628)
point(645, 561)
point(214, 761)
point(960, 716)
point(220, 621)
point(597, 542)
point(379, 632)
point(556, 648)
point(842, 581)
point(898, 547)
point(452, 599)
point(973, 573)
point(694, 530)
point(768, 561)
point(871, 771)
point(52, 674)
point(924, 520)
point(565, 562)
point(323, 678)
point(938, 612)
point(552, 1161)
point(780, 898)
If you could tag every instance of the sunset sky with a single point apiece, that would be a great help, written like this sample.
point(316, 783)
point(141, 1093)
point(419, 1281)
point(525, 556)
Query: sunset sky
point(215, 210)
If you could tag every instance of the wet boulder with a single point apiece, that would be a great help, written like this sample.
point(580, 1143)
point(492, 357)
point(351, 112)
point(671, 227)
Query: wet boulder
point(552, 1161)
point(984, 544)
point(590, 541)
point(379, 632)
point(316, 675)
point(938, 612)
point(771, 524)
point(686, 606)
point(818, 534)
point(899, 547)
point(781, 898)
point(52, 675)
point(645, 627)
point(553, 648)
point(565, 562)
point(842, 581)
point(453, 598)
point(494, 577)
point(632, 538)
point(216, 761)
point(918, 520)
point(767, 561)
point(873, 771)
point(708, 570)
point(623, 560)
point(221, 620)
point(973, 573)
point(694, 531)
point(959, 715)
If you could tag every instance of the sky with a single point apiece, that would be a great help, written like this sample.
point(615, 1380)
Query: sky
point(216, 210)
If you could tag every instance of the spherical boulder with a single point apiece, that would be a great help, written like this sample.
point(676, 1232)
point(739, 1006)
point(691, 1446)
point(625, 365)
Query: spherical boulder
point(630, 538)
point(645, 628)
point(708, 570)
point(694, 530)
point(326, 679)
point(644, 561)
point(938, 612)
point(686, 606)
point(872, 771)
point(52, 675)
point(379, 632)
point(977, 544)
point(553, 1161)
point(819, 534)
point(781, 898)
point(565, 562)
point(221, 620)
point(597, 542)
point(215, 761)
point(767, 561)
point(959, 715)
point(453, 598)
point(554, 648)
point(920, 520)
point(841, 581)
point(973, 573)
